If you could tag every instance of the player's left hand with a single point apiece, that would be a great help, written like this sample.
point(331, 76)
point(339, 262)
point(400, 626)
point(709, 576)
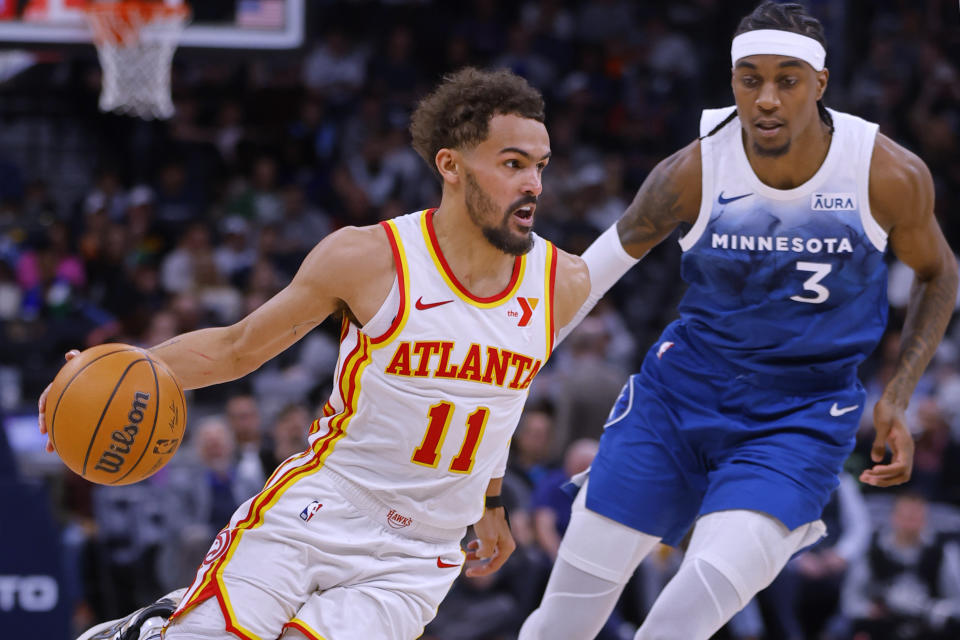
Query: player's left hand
point(494, 543)
point(891, 428)
point(42, 404)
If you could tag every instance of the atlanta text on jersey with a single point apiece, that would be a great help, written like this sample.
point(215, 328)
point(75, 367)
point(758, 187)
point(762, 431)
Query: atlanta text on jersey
point(490, 365)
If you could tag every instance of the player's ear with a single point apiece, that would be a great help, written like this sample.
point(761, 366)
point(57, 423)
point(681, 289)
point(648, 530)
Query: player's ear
point(448, 165)
point(822, 78)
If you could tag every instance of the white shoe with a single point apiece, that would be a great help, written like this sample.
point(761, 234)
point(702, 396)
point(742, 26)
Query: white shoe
point(142, 624)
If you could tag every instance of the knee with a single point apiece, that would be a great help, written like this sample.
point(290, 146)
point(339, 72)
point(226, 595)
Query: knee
point(748, 548)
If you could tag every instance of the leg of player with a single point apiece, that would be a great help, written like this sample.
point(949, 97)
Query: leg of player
point(588, 576)
point(205, 621)
point(142, 624)
point(732, 556)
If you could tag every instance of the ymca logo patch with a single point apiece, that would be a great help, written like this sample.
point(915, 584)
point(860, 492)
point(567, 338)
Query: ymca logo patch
point(397, 521)
point(310, 510)
point(527, 305)
point(833, 201)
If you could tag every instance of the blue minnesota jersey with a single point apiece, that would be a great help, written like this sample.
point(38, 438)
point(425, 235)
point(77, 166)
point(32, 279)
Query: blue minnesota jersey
point(785, 282)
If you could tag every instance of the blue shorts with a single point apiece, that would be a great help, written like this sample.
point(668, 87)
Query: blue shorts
point(686, 438)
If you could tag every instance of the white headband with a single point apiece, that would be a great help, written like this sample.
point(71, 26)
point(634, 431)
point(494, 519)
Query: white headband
point(780, 43)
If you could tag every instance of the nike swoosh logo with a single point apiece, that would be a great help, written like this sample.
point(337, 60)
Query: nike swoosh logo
point(723, 200)
point(836, 411)
point(443, 565)
point(421, 305)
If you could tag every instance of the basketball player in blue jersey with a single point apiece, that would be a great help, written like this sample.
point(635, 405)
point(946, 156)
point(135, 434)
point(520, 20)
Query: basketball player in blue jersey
point(448, 315)
point(746, 408)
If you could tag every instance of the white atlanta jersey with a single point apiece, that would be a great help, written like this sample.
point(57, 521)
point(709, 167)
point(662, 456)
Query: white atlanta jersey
point(426, 397)
point(428, 393)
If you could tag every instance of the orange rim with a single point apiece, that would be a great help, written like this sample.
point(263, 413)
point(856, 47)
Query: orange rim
point(121, 22)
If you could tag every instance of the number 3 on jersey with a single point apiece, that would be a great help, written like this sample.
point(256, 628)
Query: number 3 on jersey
point(812, 284)
point(428, 453)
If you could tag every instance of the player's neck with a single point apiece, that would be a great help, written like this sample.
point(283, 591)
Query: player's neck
point(801, 162)
point(482, 268)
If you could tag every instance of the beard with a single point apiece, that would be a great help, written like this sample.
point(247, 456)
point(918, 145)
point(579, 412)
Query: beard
point(768, 152)
point(480, 206)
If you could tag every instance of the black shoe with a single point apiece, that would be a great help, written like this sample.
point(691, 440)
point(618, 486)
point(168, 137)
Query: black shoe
point(128, 628)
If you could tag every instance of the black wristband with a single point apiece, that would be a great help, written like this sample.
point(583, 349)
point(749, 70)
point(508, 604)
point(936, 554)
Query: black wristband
point(492, 502)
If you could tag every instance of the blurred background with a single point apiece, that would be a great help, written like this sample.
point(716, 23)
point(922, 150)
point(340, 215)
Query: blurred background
point(291, 121)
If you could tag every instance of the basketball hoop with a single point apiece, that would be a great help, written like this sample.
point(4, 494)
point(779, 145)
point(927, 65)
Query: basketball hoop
point(135, 43)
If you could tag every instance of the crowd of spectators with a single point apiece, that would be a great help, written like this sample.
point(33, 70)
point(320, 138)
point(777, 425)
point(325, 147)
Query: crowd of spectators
point(115, 229)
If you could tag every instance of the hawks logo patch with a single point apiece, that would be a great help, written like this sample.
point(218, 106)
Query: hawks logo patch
point(219, 546)
point(398, 521)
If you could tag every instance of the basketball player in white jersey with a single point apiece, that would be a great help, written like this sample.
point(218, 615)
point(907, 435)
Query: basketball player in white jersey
point(448, 314)
point(746, 408)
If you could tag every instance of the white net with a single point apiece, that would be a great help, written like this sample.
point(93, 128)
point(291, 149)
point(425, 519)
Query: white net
point(135, 43)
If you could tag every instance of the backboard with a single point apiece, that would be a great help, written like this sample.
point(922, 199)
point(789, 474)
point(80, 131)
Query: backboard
point(220, 24)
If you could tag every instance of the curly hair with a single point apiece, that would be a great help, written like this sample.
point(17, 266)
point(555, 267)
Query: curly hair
point(456, 115)
point(788, 16)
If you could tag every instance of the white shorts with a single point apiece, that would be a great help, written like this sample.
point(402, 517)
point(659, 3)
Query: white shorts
point(319, 554)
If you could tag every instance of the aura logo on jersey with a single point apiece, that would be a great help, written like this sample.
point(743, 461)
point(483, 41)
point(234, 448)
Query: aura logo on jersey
point(833, 201)
point(490, 365)
point(780, 243)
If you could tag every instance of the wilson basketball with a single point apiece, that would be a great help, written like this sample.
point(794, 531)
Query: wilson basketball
point(115, 414)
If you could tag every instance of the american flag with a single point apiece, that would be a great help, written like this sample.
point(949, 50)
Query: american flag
point(260, 13)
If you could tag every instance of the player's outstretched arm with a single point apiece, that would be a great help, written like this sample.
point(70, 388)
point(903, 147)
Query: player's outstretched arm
point(346, 268)
point(351, 268)
point(901, 198)
point(669, 195)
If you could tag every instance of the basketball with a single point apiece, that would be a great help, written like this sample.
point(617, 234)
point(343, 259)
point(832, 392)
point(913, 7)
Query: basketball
point(115, 414)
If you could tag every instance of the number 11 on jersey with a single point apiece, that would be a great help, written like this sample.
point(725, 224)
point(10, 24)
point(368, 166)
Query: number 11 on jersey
point(428, 453)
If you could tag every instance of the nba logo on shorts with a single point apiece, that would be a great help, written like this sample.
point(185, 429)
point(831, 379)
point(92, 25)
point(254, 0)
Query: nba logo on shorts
point(309, 510)
point(398, 521)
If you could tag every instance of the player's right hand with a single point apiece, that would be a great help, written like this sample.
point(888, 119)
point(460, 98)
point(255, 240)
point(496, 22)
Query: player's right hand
point(42, 403)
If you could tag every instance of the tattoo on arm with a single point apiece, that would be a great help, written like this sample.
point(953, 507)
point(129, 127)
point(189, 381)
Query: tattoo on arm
point(928, 313)
point(654, 212)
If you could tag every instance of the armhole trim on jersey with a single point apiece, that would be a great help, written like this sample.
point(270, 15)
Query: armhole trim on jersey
point(403, 282)
point(706, 196)
point(549, 287)
point(710, 119)
point(873, 230)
